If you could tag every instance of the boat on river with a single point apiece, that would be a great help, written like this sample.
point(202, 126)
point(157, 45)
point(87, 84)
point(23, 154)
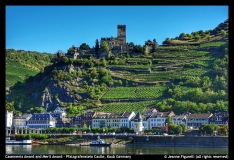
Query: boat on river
point(100, 142)
point(14, 142)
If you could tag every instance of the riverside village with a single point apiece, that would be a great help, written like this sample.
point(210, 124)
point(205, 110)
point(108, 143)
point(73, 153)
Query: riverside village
point(158, 123)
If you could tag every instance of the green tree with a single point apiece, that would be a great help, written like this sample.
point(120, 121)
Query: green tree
point(94, 73)
point(64, 59)
point(84, 128)
point(182, 35)
point(223, 129)
point(103, 62)
point(172, 128)
point(178, 130)
point(104, 46)
point(71, 50)
point(84, 46)
point(207, 128)
point(118, 82)
point(96, 45)
point(169, 120)
point(74, 128)
point(59, 53)
point(197, 37)
point(223, 32)
point(138, 49)
point(183, 126)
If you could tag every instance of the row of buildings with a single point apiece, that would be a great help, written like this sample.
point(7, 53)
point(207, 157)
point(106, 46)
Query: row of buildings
point(152, 118)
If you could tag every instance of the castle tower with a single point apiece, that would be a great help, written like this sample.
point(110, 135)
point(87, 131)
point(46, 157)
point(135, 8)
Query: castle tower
point(138, 124)
point(122, 36)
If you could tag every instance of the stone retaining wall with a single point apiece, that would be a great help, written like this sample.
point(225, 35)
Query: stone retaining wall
point(183, 141)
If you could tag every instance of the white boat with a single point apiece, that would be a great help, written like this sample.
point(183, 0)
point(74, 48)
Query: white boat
point(14, 142)
point(99, 142)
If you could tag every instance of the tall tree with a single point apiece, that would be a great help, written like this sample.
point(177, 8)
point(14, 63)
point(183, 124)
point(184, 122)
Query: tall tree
point(104, 46)
point(84, 128)
point(169, 120)
point(97, 45)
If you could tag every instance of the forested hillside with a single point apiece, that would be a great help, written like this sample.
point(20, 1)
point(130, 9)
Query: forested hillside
point(192, 77)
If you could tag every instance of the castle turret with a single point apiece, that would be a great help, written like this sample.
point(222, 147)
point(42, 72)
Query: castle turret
point(138, 127)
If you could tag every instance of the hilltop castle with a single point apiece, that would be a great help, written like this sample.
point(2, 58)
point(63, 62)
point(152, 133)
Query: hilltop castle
point(118, 44)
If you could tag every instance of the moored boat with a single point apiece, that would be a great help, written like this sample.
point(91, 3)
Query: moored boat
point(14, 142)
point(36, 143)
point(99, 142)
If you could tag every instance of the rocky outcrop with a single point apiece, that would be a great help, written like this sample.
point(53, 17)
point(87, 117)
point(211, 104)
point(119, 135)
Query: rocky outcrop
point(54, 93)
point(47, 102)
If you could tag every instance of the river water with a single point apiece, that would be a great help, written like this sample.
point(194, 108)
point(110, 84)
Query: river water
point(127, 150)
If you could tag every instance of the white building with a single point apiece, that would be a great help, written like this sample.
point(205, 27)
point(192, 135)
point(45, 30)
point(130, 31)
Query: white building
point(196, 120)
point(113, 120)
point(61, 111)
point(179, 119)
point(100, 120)
point(158, 119)
point(145, 121)
point(9, 119)
point(41, 121)
point(20, 121)
point(125, 119)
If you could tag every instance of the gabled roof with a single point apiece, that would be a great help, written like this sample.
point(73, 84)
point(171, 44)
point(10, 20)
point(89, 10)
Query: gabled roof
point(138, 116)
point(101, 115)
point(114, 115)
point(179, 117)
point(41, 116)
point(23, 116)
point(90, 113)
point(63, 109)
point(125, 114)
point(221, 114)
point(161, 114)
point(150, 111)
point(199, 116)
point(145, 117)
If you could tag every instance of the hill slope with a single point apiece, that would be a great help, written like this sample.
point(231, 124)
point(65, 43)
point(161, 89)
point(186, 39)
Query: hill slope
point(190, 78)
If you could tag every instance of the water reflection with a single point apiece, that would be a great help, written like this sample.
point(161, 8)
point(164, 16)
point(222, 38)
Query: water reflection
point(15, 149)
point(99, 150)
point(130, 150)
point(27, 147)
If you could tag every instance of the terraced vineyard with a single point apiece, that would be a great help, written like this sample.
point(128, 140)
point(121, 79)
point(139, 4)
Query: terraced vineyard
point(205, 62)
point(119, 93)
point(135, 92)
point(211, 44)
point(149, 92)
point(131, 66)
point(17, 72)
point(127, 106)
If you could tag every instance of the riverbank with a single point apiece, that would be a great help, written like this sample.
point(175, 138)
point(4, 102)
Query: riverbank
point(166, 141)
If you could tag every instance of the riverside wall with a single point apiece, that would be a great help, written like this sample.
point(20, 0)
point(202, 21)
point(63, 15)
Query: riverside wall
point(183, 141)
point(169, 141)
